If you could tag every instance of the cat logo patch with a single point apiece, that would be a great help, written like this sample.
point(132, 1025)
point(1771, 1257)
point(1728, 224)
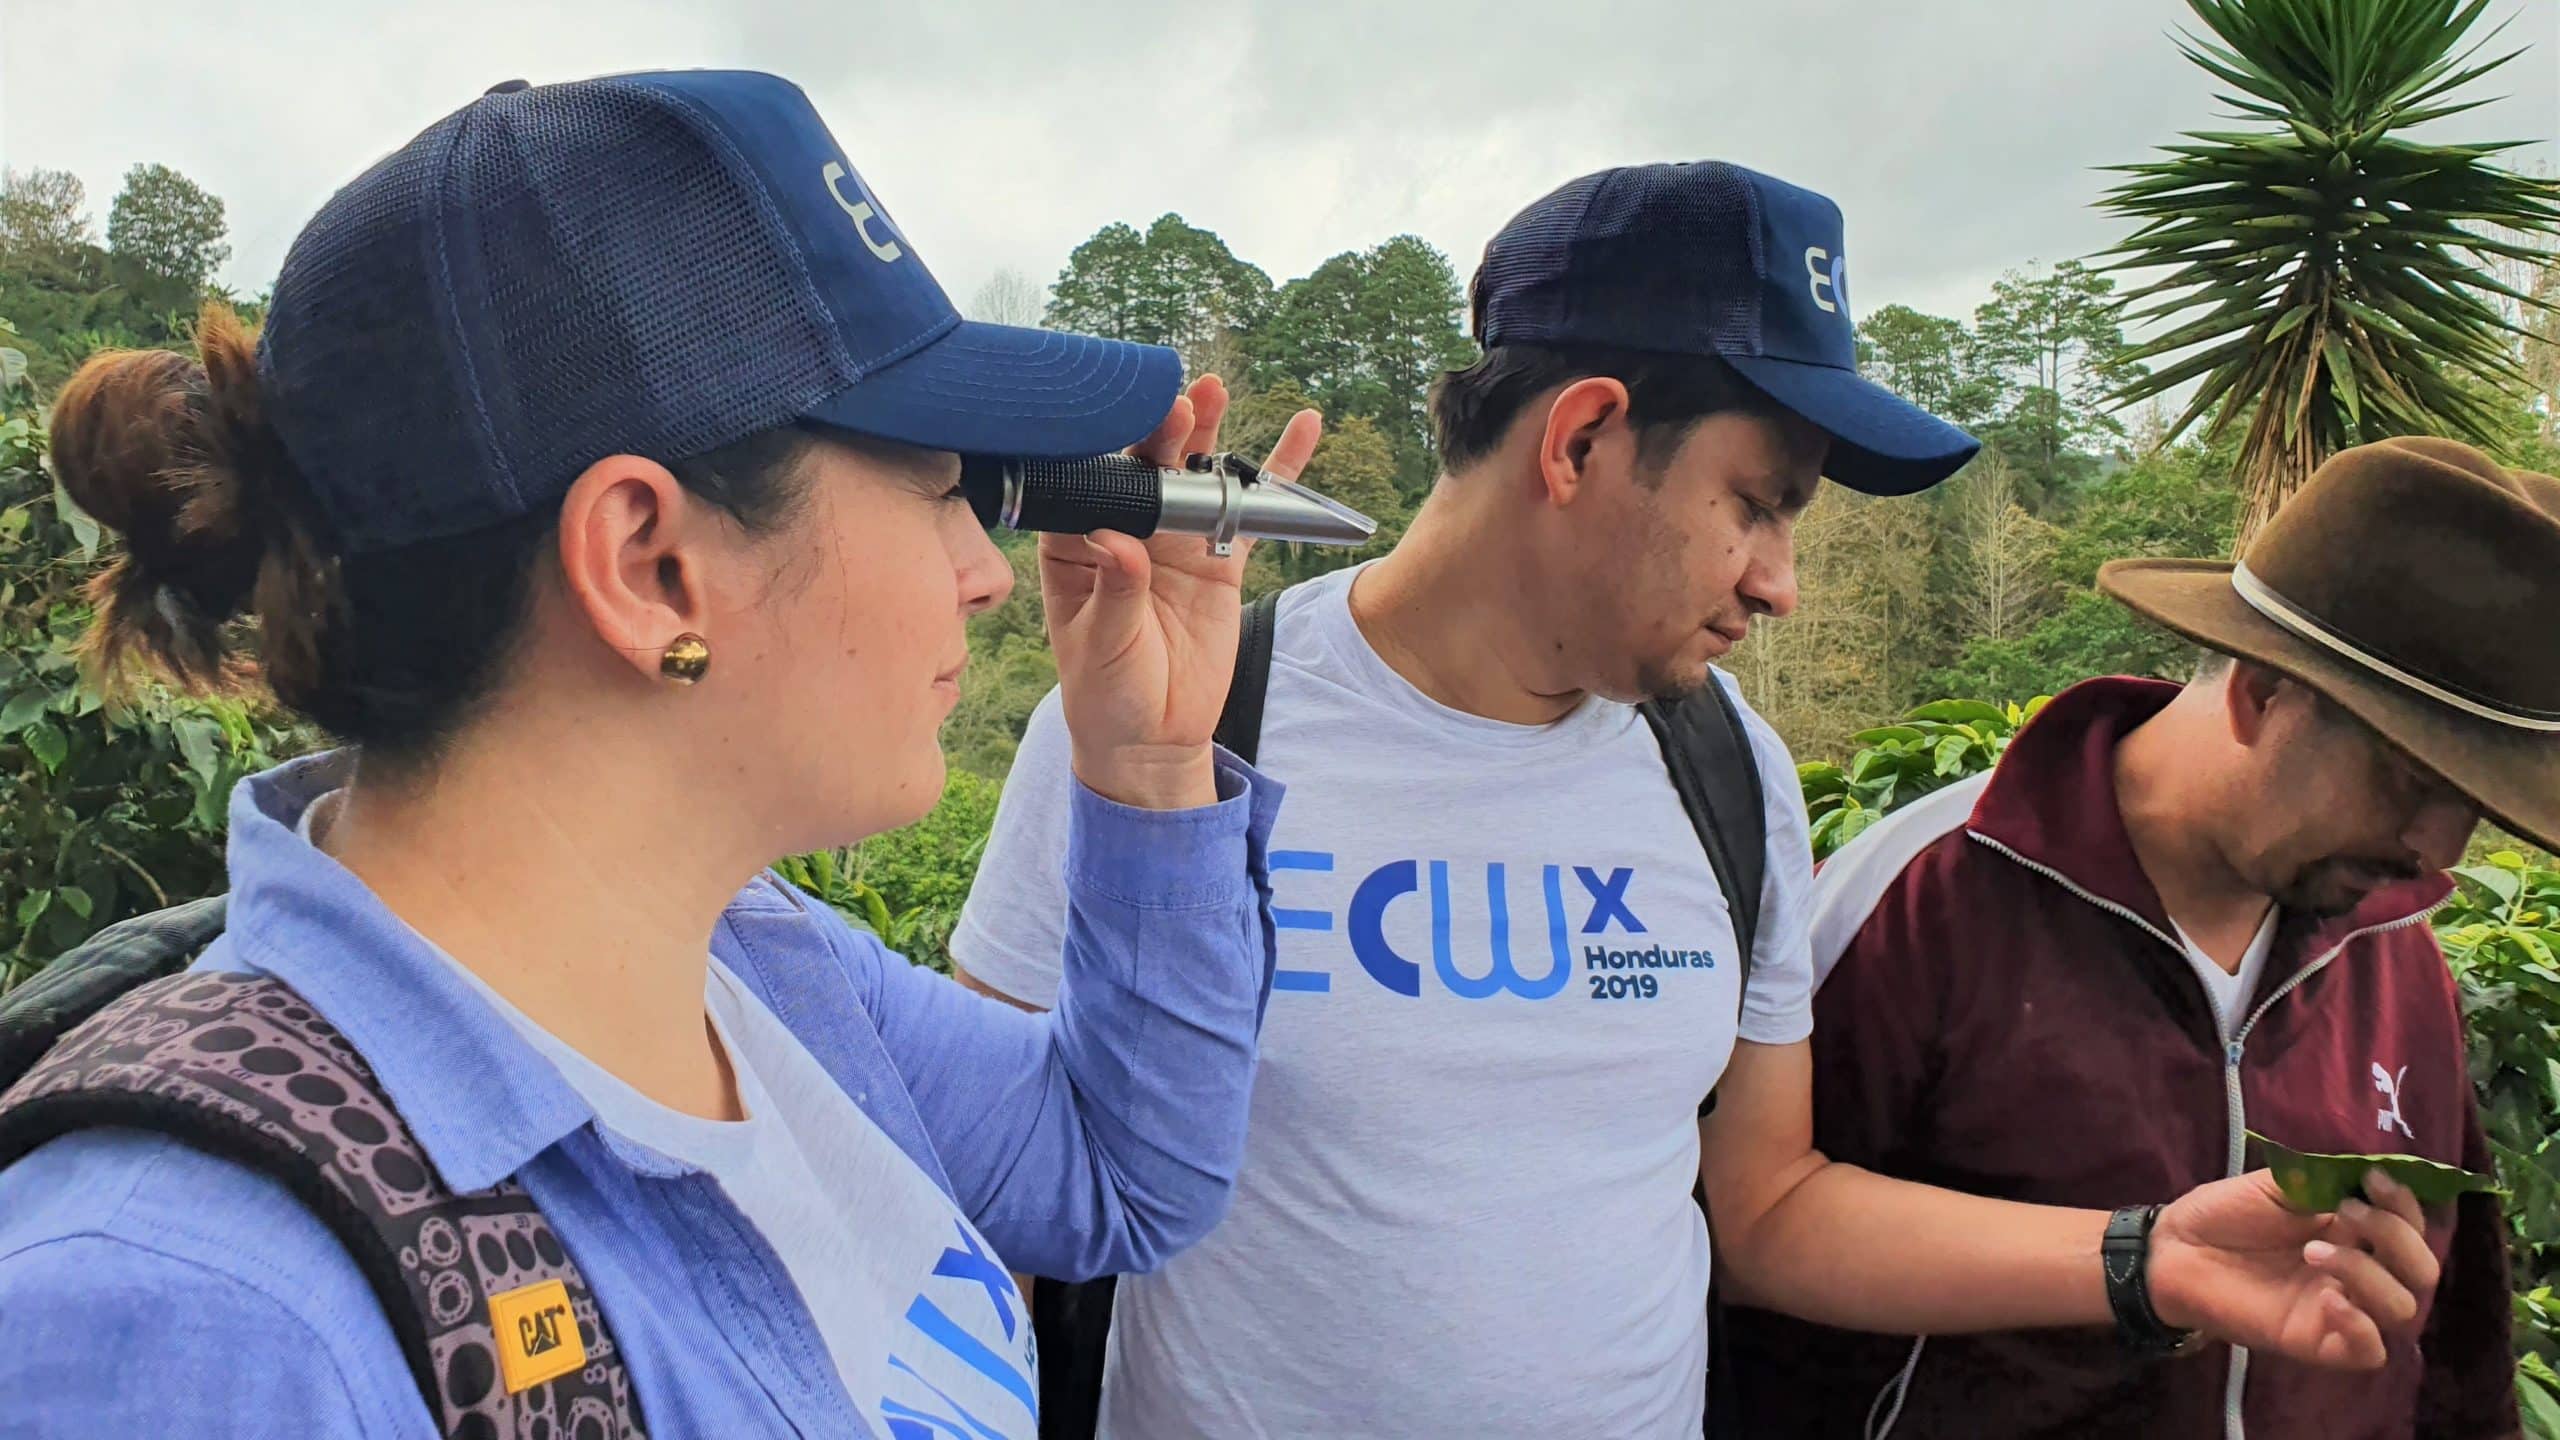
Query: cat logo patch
point(538, 1336)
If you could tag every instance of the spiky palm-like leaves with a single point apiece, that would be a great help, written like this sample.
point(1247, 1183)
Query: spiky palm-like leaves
point(2329, 277)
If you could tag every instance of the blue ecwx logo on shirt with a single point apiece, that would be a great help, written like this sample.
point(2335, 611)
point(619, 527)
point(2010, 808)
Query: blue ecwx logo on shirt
point(949, 1339)
point(1365, 926)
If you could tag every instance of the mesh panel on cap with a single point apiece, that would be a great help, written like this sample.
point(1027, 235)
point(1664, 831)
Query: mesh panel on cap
point(1519, 287)
point(539, 280)
point(1650, 257)
point(354, 312)
point(1673, 251)
point(640, 300)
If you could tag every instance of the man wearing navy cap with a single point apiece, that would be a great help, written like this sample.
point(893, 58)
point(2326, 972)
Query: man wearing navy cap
point(1506, 971)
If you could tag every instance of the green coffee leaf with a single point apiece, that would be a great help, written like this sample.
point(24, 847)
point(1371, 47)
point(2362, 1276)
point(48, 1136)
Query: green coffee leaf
point(212, 803)
point(22, 710)
point(1857, 822)
point(2497, 880)
point(77, 899)
point(32, 905)
point(1959, 711)
point(200, 741)
point(2538, 1396)
point(48, 744)
point(2315, 1183)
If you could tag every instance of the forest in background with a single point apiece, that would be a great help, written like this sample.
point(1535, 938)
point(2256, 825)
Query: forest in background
point(2116, 423)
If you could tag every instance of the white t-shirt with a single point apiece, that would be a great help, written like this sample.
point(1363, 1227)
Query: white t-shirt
point(1505, 982)
point(917, 1312)
point(2228, 990)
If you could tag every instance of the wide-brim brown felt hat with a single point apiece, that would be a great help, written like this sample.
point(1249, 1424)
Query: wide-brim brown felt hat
point(2416, 584)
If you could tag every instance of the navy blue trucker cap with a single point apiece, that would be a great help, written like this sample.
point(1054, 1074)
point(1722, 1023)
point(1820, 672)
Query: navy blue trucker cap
point(652, 264)
point(1705, 258)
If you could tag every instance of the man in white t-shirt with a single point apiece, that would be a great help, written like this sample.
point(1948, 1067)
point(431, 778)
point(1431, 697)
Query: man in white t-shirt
point(1465, 1206)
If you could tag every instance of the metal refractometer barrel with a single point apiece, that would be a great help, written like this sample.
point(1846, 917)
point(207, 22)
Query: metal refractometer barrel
point(1219, 497)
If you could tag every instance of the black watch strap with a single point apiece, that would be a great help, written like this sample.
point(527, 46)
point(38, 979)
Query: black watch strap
point(2126, 1254)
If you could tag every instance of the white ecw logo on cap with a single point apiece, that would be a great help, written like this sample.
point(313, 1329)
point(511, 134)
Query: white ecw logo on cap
point(864, 213)
point(1825, 271)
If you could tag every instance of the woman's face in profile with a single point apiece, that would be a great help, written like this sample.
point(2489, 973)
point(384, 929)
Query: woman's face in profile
point(845, 663)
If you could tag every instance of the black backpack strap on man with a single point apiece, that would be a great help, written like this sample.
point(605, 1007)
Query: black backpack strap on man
point(499, 1328)
point(1708, 751)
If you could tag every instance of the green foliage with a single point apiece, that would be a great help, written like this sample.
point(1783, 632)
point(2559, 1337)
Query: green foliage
point(1004, 684)
point(2317, 1182)
point(70, 298)
point(1176, 285)
point(1932, 362)
point(2089, 635)
point(2053, 336)
point(2537, 1330)
point(2501, 932)
point(1355, 464)
point(169, 226)
point(105, 811)
point(1363, 337)
point(2030, 375)
point(2170, 503)
point(42, 212)
point(2319, 263)
point(13, 363)
point(1934, 746)
point(907, 886)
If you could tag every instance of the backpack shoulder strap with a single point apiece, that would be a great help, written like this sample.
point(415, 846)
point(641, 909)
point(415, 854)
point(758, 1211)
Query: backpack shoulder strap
point(1708, 751)
point(1240, 724)
point(500, 1330)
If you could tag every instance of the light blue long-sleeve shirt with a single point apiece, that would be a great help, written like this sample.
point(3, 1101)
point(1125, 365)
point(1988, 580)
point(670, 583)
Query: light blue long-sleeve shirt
point(147, 1288)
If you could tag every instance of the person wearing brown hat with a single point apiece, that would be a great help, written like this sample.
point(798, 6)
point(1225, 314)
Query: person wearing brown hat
point(2173, 915)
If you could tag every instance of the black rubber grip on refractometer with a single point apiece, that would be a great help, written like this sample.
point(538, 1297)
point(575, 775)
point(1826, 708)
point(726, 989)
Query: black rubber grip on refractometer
point(1077, 497)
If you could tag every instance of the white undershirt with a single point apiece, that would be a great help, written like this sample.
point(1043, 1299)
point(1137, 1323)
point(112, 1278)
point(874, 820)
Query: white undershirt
point(2229, 990)
point(915, 1309)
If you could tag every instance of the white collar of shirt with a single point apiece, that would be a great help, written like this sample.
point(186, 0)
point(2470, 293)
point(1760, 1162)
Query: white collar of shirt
point(2230, 990)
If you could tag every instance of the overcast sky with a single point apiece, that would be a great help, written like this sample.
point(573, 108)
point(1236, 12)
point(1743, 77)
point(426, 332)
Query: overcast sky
point(1957, 135)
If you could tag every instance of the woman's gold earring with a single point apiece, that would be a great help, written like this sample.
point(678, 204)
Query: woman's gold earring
point(687, 659)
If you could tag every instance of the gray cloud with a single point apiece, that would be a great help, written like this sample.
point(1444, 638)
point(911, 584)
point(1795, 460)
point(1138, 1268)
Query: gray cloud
point(1960, 137)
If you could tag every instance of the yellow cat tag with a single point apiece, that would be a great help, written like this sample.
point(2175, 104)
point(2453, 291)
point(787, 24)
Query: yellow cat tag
point(538, 1336)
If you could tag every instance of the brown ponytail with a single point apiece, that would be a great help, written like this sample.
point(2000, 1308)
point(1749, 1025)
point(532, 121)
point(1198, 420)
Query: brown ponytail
point(176, 456)
point(179, 457)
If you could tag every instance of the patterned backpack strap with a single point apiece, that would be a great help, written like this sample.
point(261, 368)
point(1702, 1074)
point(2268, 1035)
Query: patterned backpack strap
point(499, 1327)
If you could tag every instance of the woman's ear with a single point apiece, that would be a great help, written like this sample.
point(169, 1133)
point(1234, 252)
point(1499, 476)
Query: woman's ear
point(630, 543)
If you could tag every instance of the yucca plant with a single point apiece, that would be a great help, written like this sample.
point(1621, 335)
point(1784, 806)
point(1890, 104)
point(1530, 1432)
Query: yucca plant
point(2330, 275)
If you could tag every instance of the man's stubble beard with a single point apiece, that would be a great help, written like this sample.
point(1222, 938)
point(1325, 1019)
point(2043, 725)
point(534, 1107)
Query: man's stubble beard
point(1661, 683)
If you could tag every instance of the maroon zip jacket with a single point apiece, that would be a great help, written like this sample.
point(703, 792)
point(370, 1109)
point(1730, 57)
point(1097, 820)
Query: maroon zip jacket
point(2009, 1014)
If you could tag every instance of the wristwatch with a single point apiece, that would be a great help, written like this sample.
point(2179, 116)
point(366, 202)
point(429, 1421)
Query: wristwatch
point(2126, 1254)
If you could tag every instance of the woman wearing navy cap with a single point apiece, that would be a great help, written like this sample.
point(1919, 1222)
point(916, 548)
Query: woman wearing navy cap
point(595, 481)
